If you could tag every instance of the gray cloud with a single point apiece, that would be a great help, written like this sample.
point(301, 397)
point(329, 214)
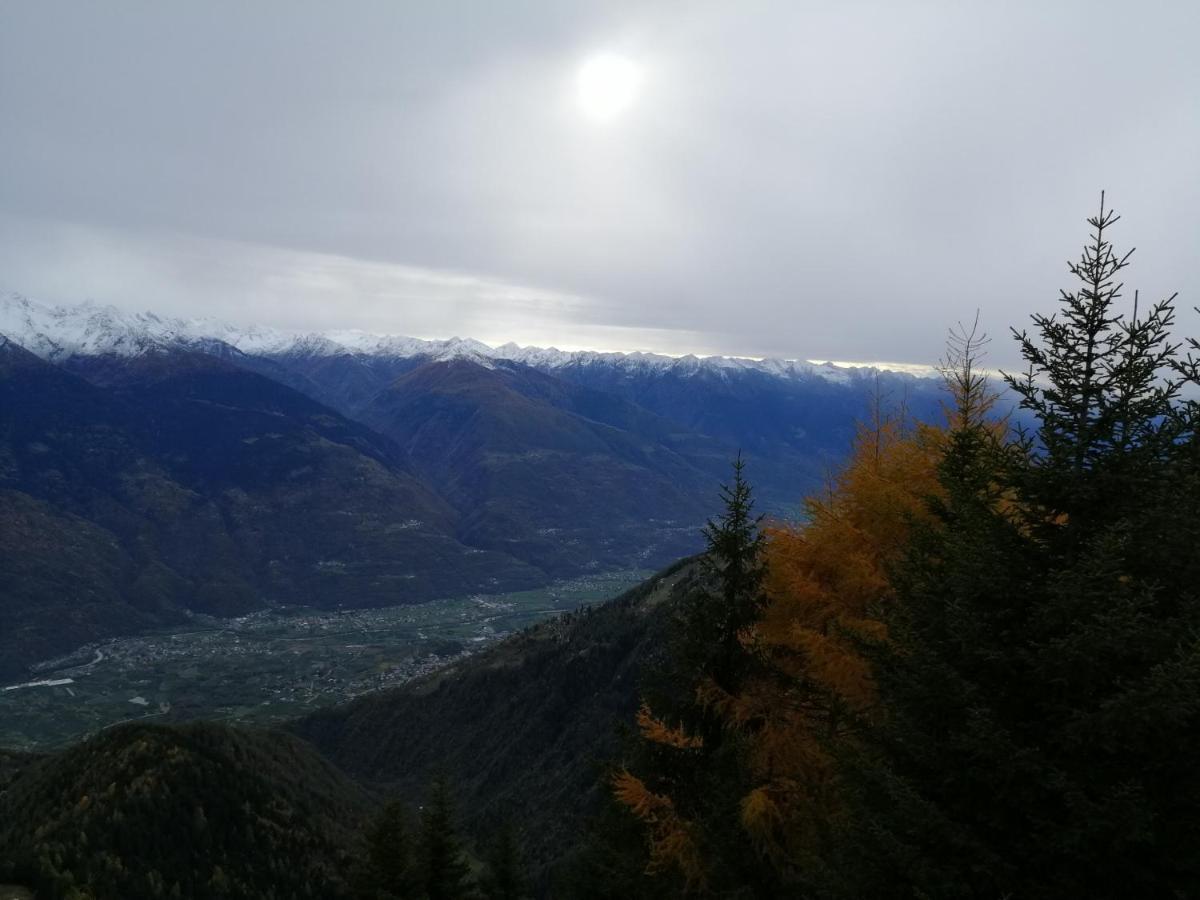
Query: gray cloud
point(838, 180)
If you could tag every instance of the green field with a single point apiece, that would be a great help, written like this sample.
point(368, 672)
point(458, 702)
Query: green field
point(272, 665)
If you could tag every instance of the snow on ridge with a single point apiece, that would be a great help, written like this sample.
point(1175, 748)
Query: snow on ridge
point(93, 329)
point(58, 332)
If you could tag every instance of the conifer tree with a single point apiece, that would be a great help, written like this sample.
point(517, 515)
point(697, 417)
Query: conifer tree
point(611, 859)
point(1041, 674)
point(387, 869)
point(827, 579)
point(718, 618)
point(1105, 390)
point(689, 761)
point(444, 873)
point(505, 877)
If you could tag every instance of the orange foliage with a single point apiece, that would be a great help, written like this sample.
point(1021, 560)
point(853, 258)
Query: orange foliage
point(827, 580)
point(669, 837)
point(657, 731)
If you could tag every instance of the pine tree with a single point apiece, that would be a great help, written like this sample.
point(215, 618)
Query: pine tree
point(505, 876)
point(1105, 390)
point(1041, 673)
point(686, 775)
point(718, 618)
point(611, 860)
point(444, 873)
point(387, 869)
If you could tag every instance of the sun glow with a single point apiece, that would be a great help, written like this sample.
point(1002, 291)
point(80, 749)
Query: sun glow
point(608, 85)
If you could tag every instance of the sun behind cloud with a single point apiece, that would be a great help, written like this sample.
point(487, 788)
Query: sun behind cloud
point(608, 85)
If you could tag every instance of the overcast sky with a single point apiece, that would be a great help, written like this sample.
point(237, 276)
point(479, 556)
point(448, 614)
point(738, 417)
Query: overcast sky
point(836, 180)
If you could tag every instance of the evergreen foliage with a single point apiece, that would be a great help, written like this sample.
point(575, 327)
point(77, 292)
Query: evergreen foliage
point(1040, 682)
point(974, 671)
point(387, 870)
point(504, 878)
point(443, 870)
point(827, 581)
point(686, 774)
point(141, 812)
point(716, 619)
point(610, 860)
point(542, 708)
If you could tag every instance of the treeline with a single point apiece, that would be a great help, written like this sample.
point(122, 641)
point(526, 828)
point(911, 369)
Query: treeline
point(974, 670)
point(430, 862)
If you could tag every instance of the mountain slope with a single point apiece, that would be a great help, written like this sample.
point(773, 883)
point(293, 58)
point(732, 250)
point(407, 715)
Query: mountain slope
point(193, 811)
point(66, 578)
point(792, 418)
point(560, 476)
point(186, 484)
point(521, 728)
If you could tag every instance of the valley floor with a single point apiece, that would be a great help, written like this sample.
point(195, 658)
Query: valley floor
point(270, 666)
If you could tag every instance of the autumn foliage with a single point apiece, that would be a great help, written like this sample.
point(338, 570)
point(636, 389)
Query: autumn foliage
point(827, 581)
point(806, 681)
point(975, 667)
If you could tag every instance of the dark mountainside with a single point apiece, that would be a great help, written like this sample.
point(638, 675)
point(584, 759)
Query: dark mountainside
point(792, 428)
point(185, 484)
point(524, 728)
point(199, 810)
point(523, 457)
point(344, 380)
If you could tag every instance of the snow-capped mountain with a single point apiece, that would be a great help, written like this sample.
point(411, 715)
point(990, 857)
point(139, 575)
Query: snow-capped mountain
point(88, 329)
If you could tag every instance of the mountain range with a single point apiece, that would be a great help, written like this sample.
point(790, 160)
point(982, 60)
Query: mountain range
point(152, 468)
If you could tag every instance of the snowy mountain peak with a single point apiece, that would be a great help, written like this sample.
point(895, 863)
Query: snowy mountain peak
point(90, 329)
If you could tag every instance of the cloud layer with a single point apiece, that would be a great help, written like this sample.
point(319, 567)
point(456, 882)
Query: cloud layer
point(838, 180)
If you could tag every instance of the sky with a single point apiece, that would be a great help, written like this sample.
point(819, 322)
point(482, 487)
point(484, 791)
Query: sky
point(835, 180)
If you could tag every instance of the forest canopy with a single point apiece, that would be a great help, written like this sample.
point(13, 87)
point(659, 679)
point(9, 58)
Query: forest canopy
point(974, 669)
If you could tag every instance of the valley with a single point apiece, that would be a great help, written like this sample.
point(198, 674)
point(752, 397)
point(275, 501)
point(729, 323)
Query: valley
point(271, 665)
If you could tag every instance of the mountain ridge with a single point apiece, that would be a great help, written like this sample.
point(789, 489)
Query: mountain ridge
point(90, 329)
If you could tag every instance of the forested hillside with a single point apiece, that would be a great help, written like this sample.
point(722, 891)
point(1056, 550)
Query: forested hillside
point(145, 811)
point(522, 733)
point(524, 730)
point(974, 671)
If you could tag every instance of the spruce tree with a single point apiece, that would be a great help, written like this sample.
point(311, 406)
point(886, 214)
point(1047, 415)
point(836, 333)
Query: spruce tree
point(444, 873)
point(1040, 681)
point(1105, 390)
point(505, 876)
point(387, 870)
point(718, 617)
point(686, 775)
